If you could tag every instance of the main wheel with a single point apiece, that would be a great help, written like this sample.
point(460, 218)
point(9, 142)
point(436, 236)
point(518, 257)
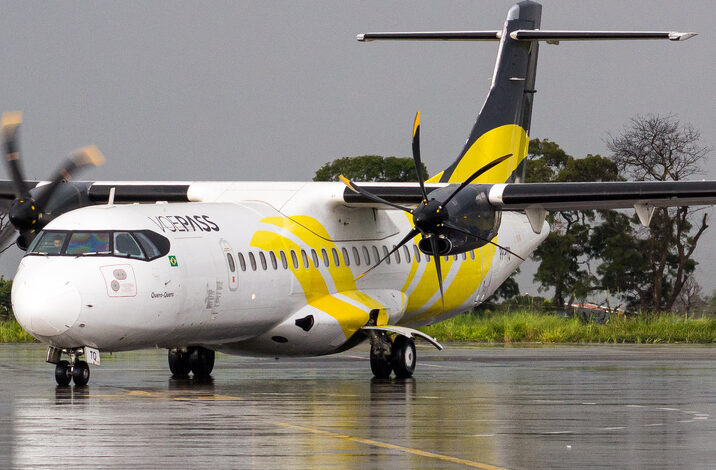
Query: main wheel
point(63, 373)
point(80, 373)
point(380, 357)
point(201, 361)
point(403, 357)
point(179, 363)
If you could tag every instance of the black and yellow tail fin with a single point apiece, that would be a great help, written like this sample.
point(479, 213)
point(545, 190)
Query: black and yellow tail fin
point(502, 126)
point(503, 123)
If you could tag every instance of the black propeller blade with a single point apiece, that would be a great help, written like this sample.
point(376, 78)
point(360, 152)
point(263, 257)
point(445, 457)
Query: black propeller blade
point(10, 130)
point(435, 249)
point(416, 156)
point(429, 216)
point(27, 212)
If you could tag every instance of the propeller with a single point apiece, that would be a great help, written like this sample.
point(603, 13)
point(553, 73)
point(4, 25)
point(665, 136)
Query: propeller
point(431, 215)
point(28, 212)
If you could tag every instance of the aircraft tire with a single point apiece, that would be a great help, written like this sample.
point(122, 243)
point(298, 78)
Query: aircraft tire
point(380, 364)
point(63, 373)
point(179, 363)
point(201, 361)
point(404, 357)
point(80, 373)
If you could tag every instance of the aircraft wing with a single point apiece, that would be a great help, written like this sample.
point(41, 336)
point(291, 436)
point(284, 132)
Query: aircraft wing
point(536, 199)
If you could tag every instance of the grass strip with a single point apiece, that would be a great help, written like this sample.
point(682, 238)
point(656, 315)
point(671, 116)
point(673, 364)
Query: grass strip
point(530, 327)
point(12, 332)
point(518, 327)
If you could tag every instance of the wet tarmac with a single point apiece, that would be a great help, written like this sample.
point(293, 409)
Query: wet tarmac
point(481, 407)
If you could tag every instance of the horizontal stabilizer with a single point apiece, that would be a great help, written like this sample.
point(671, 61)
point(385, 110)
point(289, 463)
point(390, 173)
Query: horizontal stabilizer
point(433, 36)
point(556, 36)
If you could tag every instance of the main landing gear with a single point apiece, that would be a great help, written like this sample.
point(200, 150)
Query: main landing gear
point(195, 359)
point(388, 355)
point(67, 371)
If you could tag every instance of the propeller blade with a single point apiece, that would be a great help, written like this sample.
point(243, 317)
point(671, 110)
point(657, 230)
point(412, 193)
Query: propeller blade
point(436, 257)
point(475, 175)
point(460, 229)
point(416, 156)
point(86, 156)
point(405, 240)
point(10, 131)
point(372, 196)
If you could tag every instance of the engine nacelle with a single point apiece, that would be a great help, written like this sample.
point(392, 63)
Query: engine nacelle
point(473, 213)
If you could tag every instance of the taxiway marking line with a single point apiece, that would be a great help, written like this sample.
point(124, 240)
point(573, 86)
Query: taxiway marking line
point(385, 445)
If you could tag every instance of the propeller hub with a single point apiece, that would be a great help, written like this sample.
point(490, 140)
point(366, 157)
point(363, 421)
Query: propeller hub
point(429, 216)
point(24, 214)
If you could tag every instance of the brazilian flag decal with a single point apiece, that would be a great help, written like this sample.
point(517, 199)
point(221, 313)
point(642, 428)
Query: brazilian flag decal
point(173, 261)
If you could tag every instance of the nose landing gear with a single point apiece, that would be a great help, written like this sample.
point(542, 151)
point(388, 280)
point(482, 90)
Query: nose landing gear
point(72, 370)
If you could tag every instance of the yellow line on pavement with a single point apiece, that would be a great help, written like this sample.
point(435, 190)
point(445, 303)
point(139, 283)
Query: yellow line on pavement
point(385, 445)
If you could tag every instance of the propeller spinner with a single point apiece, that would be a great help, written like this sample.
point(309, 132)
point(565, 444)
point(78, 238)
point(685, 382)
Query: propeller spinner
point(431, 217)
point(27, 212)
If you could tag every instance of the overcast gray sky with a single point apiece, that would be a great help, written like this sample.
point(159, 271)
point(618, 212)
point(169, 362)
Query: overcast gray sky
point(268, 90)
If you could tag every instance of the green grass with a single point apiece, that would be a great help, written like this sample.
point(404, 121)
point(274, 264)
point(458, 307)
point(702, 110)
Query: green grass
point(517, 327)
point(546, 328)
point(12, 332)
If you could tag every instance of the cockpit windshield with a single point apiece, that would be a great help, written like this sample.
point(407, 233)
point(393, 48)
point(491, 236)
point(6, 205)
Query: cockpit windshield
point(141, 244)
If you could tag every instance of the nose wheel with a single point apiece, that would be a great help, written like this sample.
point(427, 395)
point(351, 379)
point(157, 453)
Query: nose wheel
point(74, 370)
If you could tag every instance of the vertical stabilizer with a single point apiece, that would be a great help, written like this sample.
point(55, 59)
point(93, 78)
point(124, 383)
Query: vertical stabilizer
point(504, 120)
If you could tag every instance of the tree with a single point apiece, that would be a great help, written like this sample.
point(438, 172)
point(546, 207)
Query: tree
point(370, 168)
point(5, 303)
point(566, 253)
point(660, 148)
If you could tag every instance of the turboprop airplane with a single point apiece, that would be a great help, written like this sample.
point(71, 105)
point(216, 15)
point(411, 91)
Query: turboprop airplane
point(300, 269)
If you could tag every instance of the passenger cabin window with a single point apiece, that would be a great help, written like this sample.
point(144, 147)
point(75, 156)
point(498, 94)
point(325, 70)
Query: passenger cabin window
point(336, 260)
point(406, 250)
point(397, 254)
point(356, 256)
point(324, 255)
point(366, 256)
point(294, 259)
point(232, 264)
point(385, 254)
point(252, 260)
point(346, 259)
point(376, 254)
point(284, 261)
point(314, 257)
point(416, 251)
point(472, 255)
point(262, 257)
point(274, 263)
point(304, 257)
point(141, 244)
point(242, 262)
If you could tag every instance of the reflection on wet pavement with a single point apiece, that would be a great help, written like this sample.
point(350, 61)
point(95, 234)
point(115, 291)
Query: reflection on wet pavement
point(481, 407)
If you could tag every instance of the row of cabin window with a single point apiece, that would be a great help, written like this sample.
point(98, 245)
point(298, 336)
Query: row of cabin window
point(336, 259)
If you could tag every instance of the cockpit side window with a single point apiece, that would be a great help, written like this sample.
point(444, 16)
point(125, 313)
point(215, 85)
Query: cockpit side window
point(88, 243)
point(126, 245)
point(49, 243)
point(153, 244)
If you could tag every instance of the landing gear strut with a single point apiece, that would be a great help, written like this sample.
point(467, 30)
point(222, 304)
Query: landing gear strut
point(72, 370)
point(195, 359)
point(388, 356)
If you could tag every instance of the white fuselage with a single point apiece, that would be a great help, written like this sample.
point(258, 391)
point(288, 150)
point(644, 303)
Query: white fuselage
point(238, 275)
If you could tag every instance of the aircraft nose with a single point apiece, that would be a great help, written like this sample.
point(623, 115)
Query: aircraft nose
point(45, 308)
